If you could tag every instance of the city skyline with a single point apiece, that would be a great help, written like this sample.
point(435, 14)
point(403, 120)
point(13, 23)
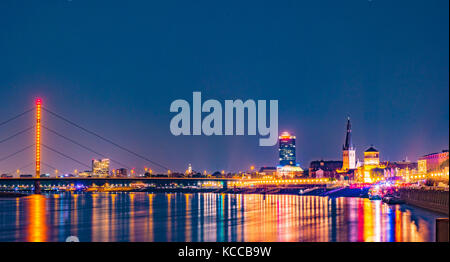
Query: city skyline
point(224, 129)
point(386, 67)
point(287, 152)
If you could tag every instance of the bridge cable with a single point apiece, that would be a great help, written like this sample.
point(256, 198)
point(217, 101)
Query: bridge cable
point(22, 167)
point(105, 139)
point(16, 134)
point(52, 167)
point(17, 116)
point(64, 155)
point(15, 153)
point(85, 147)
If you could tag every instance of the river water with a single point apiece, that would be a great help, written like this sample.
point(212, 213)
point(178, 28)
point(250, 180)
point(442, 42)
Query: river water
point(209, 217)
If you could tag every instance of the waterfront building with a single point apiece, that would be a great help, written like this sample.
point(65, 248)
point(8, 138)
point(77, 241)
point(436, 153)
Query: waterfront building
point(348, 149)
point(372, 170)
point(121, 172)
point(86, 173)
point(268, 172)
point(371, 157)
point(403, 170)
point(288, 164)
point(433, 162)
point(100, 167)
point(422, 165)
point(289, 171)
point(325, 169)
point(434, 166)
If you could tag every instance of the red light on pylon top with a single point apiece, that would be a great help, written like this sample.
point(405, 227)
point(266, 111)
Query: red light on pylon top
point(38, 101)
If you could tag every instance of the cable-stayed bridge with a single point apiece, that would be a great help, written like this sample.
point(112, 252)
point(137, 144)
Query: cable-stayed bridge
point(39, 128)
point(39, 164)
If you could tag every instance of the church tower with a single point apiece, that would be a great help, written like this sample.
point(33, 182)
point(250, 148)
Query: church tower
point(348, 150)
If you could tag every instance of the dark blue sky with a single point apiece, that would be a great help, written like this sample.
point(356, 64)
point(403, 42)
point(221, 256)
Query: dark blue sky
point(115, 67)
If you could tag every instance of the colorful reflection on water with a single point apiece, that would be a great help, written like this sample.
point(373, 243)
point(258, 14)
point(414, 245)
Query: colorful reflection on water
point(210, 217)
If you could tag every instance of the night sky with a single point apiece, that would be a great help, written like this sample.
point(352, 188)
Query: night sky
point(114, 67)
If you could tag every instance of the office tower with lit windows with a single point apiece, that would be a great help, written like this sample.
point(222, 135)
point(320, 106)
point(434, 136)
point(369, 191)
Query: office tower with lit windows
point(100, 167)
point(287, 149)
point(288, 167)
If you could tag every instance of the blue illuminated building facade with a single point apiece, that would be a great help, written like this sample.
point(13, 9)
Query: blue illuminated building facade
point(287, 149)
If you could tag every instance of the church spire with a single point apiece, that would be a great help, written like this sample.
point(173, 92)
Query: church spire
point(348, 137)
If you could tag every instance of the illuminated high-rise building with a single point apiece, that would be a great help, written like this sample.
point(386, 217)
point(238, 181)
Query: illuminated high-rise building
point(189, 170)
point(348, 150)
point(100, 167)
point(287, 149)
point(288, 166)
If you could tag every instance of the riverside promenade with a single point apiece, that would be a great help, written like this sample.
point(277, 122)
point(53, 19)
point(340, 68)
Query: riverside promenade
point(431, 199)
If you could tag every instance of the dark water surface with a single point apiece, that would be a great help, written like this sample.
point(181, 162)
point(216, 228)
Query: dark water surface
point(209, 217)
